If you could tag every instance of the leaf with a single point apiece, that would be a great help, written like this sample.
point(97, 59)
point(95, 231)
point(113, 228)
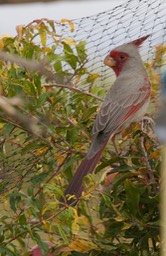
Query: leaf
point(62, 234)
point(19, 30)
point(69, 56)
point(1, 44)
point(71, 135)
point(43, 37)
point(126, 226)
point(155, 154)
point(7, 251)
point(81, 51)
point(41, 150)
point(79, 244)
point(133, 197)
point(15, 199)
point(72, 60)
point(8, 128)
point(22, 219)
point(92, 77)
point(42, 244)
point(75, 227)
point(71, 24)
point(58, 66)
point(69, 41)
point(32, 146)
point(3, 39)
point(60, 158)
point(88, 113)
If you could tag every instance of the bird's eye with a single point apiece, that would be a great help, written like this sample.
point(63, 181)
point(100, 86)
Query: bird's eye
point(122, 56)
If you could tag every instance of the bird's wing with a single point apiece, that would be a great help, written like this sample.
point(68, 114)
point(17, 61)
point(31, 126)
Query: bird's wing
point(114, 113)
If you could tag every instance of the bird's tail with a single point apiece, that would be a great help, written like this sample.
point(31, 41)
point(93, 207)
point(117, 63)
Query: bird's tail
point(87, 166)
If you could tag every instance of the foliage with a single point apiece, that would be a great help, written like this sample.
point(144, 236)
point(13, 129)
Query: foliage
point(42, 145)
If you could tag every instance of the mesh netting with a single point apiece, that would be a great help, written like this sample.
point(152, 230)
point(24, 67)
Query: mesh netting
point(124, 23)
point(102, 32)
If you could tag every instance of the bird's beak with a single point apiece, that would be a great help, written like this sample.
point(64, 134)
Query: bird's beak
point(109, 61)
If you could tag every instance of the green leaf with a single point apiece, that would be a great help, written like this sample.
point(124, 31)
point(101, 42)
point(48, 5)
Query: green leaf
point(32, 146)
point(42, 244)
point(37, 82)
point(133, 197)
point(7, 251)
point(22, 219)
point(15, 198)
point(62, 234)
point(69, 56)
point(58, 66)
point(88, 113)
point(81, 51)
point(28, 51)
point(72, 135)
point(8, 128)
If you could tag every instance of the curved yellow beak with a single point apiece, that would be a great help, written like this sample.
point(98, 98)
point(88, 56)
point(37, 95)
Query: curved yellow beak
point(109, 61)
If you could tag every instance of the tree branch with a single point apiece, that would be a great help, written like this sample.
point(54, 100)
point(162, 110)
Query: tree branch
point(28, 64)
point(72, 89)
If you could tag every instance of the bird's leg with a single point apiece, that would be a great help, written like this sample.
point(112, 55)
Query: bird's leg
point(147, 123)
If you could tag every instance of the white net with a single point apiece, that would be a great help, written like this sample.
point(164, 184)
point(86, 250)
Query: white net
point(101, 32)
point(104, 31)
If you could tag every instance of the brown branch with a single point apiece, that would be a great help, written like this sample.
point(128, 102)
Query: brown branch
point(28, 64)
point(8, 107)
point(42, 70)
point(72, 89)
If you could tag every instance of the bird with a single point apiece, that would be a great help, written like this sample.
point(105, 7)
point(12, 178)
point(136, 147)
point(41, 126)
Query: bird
point(125, 102)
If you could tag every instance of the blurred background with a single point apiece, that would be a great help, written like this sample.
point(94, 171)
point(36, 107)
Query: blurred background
point(21, 12)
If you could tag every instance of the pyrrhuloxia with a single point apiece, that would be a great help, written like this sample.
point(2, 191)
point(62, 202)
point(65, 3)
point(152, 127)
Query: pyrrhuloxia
point(125, 102)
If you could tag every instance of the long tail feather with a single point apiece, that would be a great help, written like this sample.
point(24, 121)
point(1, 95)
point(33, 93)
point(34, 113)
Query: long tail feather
point(87, 166)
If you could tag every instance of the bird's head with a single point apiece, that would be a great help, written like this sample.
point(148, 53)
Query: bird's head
point(121, 55)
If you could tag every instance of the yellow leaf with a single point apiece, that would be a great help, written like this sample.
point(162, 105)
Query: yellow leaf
point(78, 222)
point(92, 77)
point(75, 226)
point(127, 226)
point(120, 219)
point(58, 106)
point(41, 151)
point(19, 32)
point(43, 37)
point(49, 206)
point(59, 158)
point(69, 41)
point(47, 49)
point(155, 154)
point(71, 24)
point(1, 44)
point(1, 40)
point(1, 125)
point(82, 245)
point(46, 225)
point(147, 145)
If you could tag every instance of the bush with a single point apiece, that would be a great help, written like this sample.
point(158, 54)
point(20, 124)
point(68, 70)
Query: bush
point(45, 129)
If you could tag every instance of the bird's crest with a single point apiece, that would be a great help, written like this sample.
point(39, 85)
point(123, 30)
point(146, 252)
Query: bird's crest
point(139, 41)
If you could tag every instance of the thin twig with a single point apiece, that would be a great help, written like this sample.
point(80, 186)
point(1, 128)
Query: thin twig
point(12, 112)
point(42, 70)
point(150, 171)
point(28, 64)
point(73, 89)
